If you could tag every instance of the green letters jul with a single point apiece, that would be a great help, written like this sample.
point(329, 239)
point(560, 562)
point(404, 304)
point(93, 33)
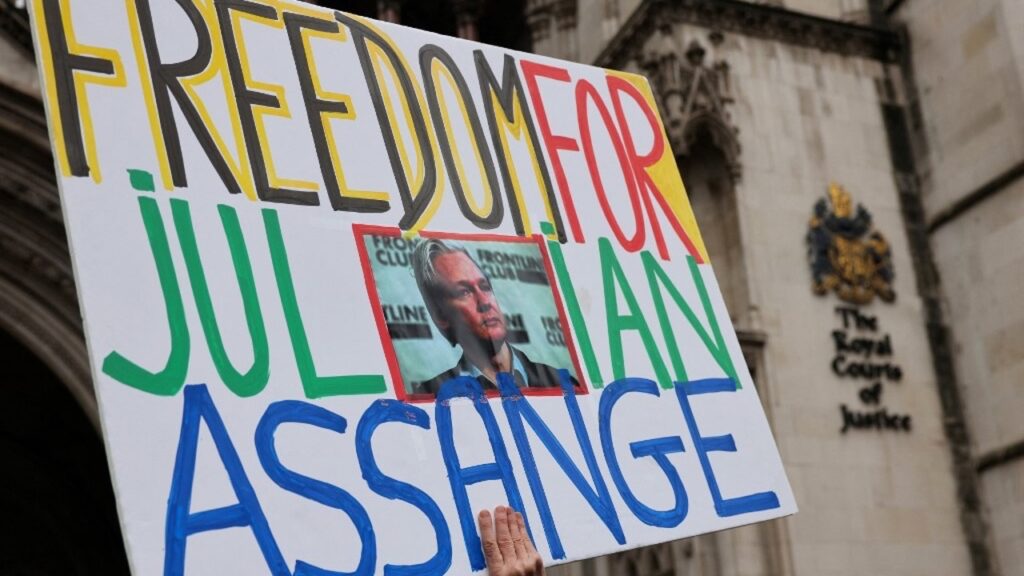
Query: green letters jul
point(169, 381)
point(255, 379)
point(171, 378)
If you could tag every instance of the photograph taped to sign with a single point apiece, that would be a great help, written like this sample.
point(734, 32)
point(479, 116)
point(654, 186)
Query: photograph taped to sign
point(245, 184)
point(507, 283)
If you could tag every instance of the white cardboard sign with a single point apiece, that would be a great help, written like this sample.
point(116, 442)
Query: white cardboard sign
point(346, 283)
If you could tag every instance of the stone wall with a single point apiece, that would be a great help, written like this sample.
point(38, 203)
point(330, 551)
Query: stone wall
point(968, 63)
point(968, 67)
point(871, 502)
point(599, 20)
point(982, 268)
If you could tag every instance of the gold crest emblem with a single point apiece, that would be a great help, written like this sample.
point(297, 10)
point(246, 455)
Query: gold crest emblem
point(846, 253)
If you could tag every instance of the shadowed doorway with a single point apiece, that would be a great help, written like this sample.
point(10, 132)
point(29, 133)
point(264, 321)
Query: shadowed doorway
point(56, 502)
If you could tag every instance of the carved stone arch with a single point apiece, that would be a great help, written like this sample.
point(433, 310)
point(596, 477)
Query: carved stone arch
point(38, 304)
point(710, 177)
point(61, 491)
point(720, 135)
point(693, 96)
point(14, 25)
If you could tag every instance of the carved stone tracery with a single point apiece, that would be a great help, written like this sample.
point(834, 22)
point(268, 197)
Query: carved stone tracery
point(552, 25)
point(14, 24)
point(38, 306)
point(565, 14)
point(753, 20)
point(693, 95)
point(538, 19)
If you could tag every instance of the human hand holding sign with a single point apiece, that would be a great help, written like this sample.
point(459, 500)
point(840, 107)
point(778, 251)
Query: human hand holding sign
point(508, 549)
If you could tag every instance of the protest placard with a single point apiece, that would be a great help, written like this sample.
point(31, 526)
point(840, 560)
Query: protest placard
point(345, 283)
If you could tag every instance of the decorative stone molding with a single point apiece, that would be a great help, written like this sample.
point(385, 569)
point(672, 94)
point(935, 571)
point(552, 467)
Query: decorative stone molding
point(693, 95)
point(14, 25)
point(38, 305)
point(26, 165)
point(37, 299)
point(552, 25)
point(755, 20)
point(565, 14)
point(539, 15)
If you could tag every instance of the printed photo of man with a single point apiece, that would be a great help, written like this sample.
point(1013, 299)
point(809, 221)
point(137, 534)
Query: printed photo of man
point(466, 311)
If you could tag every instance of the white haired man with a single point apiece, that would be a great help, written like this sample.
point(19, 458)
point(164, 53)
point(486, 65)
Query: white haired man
point(463, 306)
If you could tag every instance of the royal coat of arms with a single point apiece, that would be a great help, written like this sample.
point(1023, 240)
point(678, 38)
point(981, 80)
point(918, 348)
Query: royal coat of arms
point(846, 253)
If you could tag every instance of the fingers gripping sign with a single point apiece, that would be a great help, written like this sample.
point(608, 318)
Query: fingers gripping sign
point(508, 549)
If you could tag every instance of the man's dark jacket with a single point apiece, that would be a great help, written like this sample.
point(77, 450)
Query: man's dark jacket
point(537, 374)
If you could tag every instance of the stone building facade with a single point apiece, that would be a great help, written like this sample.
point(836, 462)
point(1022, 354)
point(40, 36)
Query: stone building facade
point(914, 109)
point(965, 78)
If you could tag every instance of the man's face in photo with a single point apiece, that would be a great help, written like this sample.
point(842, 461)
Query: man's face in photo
point(470, 306)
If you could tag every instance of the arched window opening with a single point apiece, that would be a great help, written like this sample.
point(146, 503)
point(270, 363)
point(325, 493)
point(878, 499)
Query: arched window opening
point(56, 486)
point(706, 172)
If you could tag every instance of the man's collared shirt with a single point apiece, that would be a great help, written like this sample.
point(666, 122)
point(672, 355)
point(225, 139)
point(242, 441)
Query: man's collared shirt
point(525, 373)
point(518, 371)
